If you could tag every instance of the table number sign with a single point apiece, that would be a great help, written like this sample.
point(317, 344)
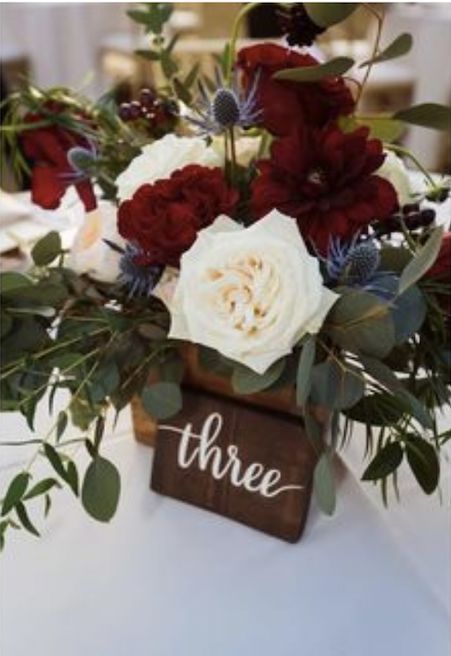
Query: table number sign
point(239, 461)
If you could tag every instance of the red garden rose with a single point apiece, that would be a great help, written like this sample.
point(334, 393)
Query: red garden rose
point(47, 148)
point(441, 269)
point(325, 179)
point(164, 218)
point(286, 104)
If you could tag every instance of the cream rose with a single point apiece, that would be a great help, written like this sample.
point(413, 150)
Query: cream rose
point(161, 158)
point(250, 293)
point(394, 170)
point(89, 253)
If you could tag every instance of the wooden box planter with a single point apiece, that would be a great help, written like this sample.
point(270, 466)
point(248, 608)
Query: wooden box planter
point(246, 457)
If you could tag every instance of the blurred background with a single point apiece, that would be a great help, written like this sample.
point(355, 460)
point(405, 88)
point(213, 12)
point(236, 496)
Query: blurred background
point(89, 46)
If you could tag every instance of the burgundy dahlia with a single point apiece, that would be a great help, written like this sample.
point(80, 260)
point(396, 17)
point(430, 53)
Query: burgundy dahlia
point(325, 179)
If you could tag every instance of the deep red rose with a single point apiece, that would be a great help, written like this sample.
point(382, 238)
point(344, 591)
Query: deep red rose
point(325, 179)
point(47, 148)
point(165, 217)
point(286, 104)
point(441, 269)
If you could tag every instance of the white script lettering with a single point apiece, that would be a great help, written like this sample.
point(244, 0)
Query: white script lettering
point(209, 455)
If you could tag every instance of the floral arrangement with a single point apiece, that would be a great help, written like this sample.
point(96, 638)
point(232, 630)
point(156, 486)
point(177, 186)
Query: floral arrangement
point(257, 215)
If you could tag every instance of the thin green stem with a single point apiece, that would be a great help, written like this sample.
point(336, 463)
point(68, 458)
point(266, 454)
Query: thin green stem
point(380, 22)
point(234, 37)
point(232, 156)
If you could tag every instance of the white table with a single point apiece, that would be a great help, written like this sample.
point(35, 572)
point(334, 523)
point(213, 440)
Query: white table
point(167, 579)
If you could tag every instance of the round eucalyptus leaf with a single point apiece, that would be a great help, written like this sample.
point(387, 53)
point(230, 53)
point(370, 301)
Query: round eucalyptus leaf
point(246, 381)
point(162, 400)
point(101, 489)
point(326, 14)
point(46, 249)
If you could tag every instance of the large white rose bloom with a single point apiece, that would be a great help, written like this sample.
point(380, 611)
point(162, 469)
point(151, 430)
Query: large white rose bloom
point(161, 158)
point(89, 253)
point(394, 170)
point(250, 293)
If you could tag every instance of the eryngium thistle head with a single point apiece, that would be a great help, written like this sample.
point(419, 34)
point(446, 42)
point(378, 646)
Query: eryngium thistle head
point(139, 277)
point(225, 107)
point(361, 262)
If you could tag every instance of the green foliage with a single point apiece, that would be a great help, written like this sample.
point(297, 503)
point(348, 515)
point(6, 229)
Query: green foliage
point(323, 484)
point(399, 47)
point(423, 260)
point(303, 377)
point(326, 14)
point(427, 115)
point(361, 323)
point(424, 463)
point(336, 385)
point(46, 249)
point(247, 381)
point(101, 489)
point(386, 461)
point(162, 400)
point(336, 66)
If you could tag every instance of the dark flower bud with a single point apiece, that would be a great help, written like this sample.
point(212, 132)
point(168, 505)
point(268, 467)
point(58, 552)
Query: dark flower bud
point(147, 98)
point(135, 109)
point(124, 111)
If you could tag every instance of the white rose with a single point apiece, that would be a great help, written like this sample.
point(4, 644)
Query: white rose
point(161, 158)
point(89, 253)
point(394, 170)
point(250, 293)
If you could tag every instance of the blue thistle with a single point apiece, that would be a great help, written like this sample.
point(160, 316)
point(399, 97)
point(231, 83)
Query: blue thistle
point(135, 273)
point(226, 108)
point(82, 161)
point(356, 264)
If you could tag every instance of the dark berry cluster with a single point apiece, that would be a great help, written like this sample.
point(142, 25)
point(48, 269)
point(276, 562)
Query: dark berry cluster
point(411, 215)
point(299, 28)
point(153, 113)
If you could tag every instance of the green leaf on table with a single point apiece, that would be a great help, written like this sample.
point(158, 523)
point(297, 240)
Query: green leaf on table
point(336, 386)
point(427, 115)
point(47, 249)
point(323, 484)
point(247, 381)
point(399, 47)
point(424, 463)
point(162, 400)
point(15, 492)
point(408, 312)
point(385, 462)
point(422, 261)
point(325, 14)
point(101, 489)
point(334, 67)
point(304, 372)
point(361, 323)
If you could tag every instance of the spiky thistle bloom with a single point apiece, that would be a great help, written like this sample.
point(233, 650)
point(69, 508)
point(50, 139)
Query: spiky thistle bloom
point(225, 108)
point(356, 264)
point(83, 161)
point(136, 274)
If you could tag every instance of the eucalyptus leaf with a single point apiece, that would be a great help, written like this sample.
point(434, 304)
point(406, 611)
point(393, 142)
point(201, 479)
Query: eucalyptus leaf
point(399, 47)
point(54, 458)
point(408, 313)
point(246, 381)
point(336, 387)
point(162, 400)
point(385, 462)
point(334, 67)
point(10, 281)
point(25, 520)
point(416, 408)
point(61, 424)
point(381, 373)
point(325, 14)
point(323, 484)
point(303, 377)
point(424, 463)
point(361, 323)
point(427, 115)
point(384, 128)
point(47, 249)
point(378, 409)
point(15, 492)
point(101, 489)
point(41, 488)
point(423, 260)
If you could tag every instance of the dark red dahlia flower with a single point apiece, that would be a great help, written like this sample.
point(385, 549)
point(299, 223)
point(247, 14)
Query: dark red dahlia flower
point(325, 179)
point(164, 218)
point(286, 104)
point(47, 148)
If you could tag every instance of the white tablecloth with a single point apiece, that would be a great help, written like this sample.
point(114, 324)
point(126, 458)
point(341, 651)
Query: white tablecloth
point(167, 579)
